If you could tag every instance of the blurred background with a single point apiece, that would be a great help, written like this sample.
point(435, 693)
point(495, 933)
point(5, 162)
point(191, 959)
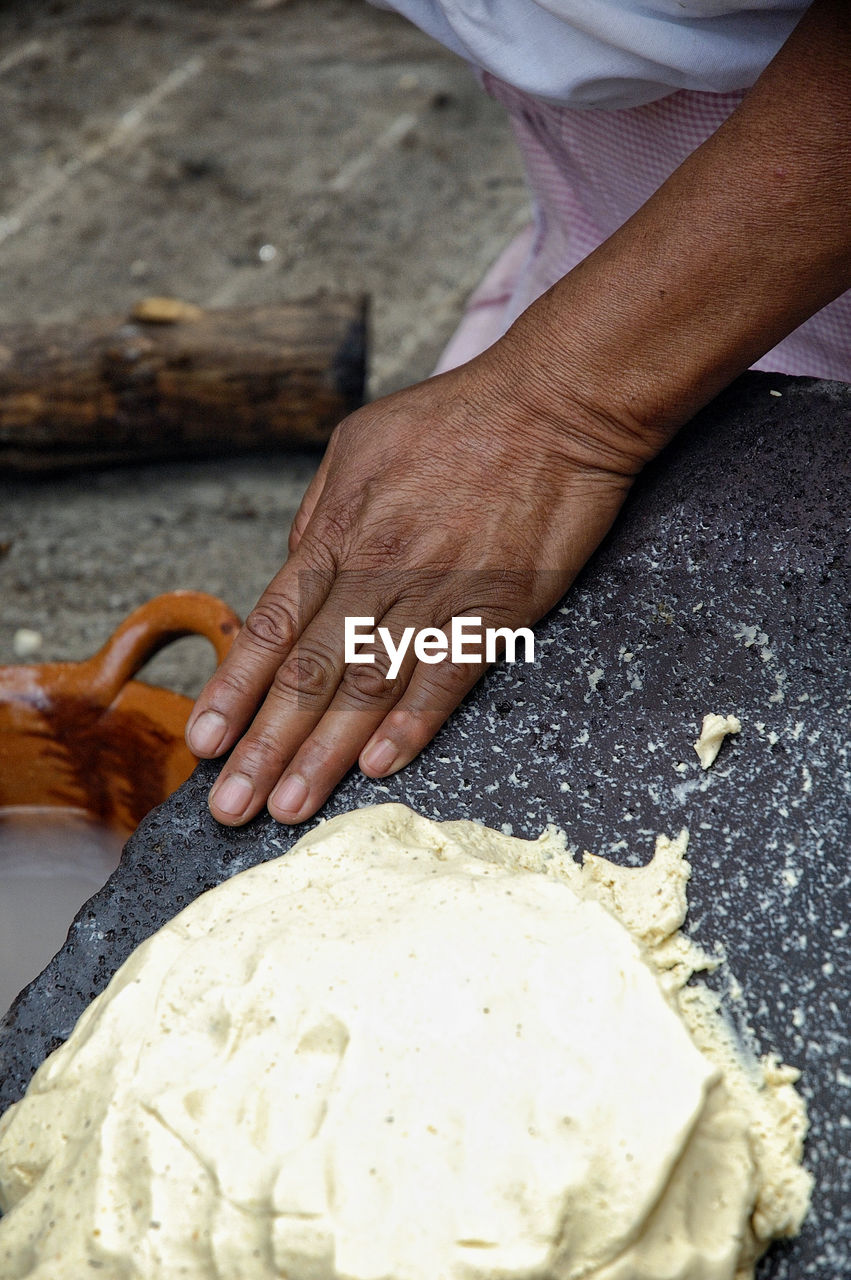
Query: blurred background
point(230, 154)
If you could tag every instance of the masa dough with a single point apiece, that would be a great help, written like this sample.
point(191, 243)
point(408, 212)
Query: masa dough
point(713, 731)
point(406, 1050)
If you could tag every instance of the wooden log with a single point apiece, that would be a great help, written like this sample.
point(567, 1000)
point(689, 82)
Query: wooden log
point(174, 381)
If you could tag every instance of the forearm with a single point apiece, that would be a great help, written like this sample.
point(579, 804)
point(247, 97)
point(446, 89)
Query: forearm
point(483, 491)
point(746, 240)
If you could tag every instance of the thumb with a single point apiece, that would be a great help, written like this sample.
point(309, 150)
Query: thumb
point(308, 504)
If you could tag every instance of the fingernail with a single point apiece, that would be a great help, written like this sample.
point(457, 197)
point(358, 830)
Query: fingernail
point(290, 795)
point(207, 733)
point(233, 796)
point(380, 756)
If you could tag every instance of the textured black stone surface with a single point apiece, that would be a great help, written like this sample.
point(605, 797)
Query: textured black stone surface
point(724, 587)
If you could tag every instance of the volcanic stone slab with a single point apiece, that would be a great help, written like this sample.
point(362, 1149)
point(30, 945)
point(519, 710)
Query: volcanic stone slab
point(723, 587)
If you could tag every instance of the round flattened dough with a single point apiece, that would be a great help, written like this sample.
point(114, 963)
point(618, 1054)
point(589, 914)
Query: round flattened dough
point(392, 1052)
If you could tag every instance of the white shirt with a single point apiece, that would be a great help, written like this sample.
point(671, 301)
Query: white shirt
point(611, 53)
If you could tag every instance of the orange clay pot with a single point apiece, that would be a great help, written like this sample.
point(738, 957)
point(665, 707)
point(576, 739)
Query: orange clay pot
point(87, 736)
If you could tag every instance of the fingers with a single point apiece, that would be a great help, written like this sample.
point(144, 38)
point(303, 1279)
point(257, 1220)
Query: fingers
point(365, 695)
point(430, 698)
point(299, 693)
point(320, 714)
point(231, 696)
point(435, 690)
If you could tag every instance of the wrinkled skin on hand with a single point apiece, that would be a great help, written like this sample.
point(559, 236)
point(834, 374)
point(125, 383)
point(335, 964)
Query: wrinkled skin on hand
point(451, 497)
point(483, 491)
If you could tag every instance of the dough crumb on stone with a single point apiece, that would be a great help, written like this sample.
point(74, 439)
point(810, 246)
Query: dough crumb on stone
point(713, 732)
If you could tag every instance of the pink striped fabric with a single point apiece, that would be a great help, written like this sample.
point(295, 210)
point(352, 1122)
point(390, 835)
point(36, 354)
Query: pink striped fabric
point(588, 172)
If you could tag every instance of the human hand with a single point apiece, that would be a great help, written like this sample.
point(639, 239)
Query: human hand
point(456, 496)
point(483, 491)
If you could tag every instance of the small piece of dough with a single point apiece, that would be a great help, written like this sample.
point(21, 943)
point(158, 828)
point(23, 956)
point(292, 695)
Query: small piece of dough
point(407, 1050)
point(713, 732)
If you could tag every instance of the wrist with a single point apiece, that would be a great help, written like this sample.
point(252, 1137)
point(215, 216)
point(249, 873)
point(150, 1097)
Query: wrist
point(744, 241)
point(571, 381)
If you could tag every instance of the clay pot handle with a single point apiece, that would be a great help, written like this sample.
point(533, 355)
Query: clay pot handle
point(150, 628)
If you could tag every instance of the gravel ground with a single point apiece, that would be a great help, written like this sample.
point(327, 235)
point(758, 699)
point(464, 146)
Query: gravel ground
point(154, 148)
